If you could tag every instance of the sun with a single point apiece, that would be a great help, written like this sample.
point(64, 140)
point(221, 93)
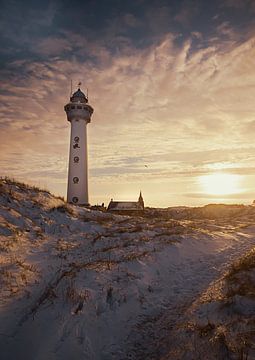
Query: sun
point(220, 184)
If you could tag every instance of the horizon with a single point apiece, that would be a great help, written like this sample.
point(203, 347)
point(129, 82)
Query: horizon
point(171, 86)
point(40, 188)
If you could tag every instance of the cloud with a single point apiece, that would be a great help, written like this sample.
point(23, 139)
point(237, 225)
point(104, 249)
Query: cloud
point(222, 198)
point(19, 24)
point(131, 20)
point(52, 46)
point(188, 11)
point(237, 4)
point(182, 112)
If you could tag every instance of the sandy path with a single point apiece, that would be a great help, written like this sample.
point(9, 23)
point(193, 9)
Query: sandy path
point(116, 297)
point(191, 274)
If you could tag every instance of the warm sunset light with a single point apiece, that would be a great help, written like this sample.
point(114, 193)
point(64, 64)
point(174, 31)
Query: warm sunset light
point(127, 179)
point(171, 83)
point(221, 184)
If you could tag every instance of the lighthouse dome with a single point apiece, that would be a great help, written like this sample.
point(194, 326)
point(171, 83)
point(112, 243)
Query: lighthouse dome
point(78, 96)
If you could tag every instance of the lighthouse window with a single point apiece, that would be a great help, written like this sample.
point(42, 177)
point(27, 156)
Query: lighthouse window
point(76, 159)
point(76, 139)
point(79, 107)
point(75, 199)
point(72, 107)
point(75, 180)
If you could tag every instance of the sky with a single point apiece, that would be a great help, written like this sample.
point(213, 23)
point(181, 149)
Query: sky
point(172, 84)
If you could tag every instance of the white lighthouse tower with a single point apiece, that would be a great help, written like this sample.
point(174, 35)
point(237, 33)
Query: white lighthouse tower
point(79, 113)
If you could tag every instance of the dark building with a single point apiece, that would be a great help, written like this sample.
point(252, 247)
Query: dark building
point(127, 207)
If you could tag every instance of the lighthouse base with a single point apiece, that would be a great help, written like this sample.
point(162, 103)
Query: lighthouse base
point(78, 204)
point(85, 205)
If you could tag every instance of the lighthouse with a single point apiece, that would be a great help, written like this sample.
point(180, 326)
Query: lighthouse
point(79, 113)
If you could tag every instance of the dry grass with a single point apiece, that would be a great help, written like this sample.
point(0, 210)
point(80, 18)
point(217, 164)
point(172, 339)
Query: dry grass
point(7, 243)
point(64, 208)
point(23, 186)
point(246, 263)
point(229, 332)
point(15, 275)
point(25, 266)
point(236, 334)
point(244, 287)
point(74, 295)
point(239, 279)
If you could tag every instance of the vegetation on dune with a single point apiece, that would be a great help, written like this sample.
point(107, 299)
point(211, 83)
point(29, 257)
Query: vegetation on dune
point(63, 208)
point(83, 242)
point(241, 276)
point(246, 263)
point(230, 325)
point(21, 185)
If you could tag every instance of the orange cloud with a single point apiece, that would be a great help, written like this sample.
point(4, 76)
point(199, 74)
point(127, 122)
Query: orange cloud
point(162, 106)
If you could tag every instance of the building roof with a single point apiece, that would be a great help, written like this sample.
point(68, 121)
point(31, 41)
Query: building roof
point(124, 206)
point(78, 96)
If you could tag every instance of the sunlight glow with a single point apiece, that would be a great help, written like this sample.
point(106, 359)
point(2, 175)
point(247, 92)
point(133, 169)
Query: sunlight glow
point(220, 184)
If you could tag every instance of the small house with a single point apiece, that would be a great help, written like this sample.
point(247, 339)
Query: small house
point(127, 207)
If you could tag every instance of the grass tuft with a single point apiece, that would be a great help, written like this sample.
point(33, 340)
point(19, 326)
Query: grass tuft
point(64, 208)
point(246, 263)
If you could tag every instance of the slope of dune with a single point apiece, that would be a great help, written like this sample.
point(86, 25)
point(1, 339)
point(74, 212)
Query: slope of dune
point(83, 284)
point(221, 323)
